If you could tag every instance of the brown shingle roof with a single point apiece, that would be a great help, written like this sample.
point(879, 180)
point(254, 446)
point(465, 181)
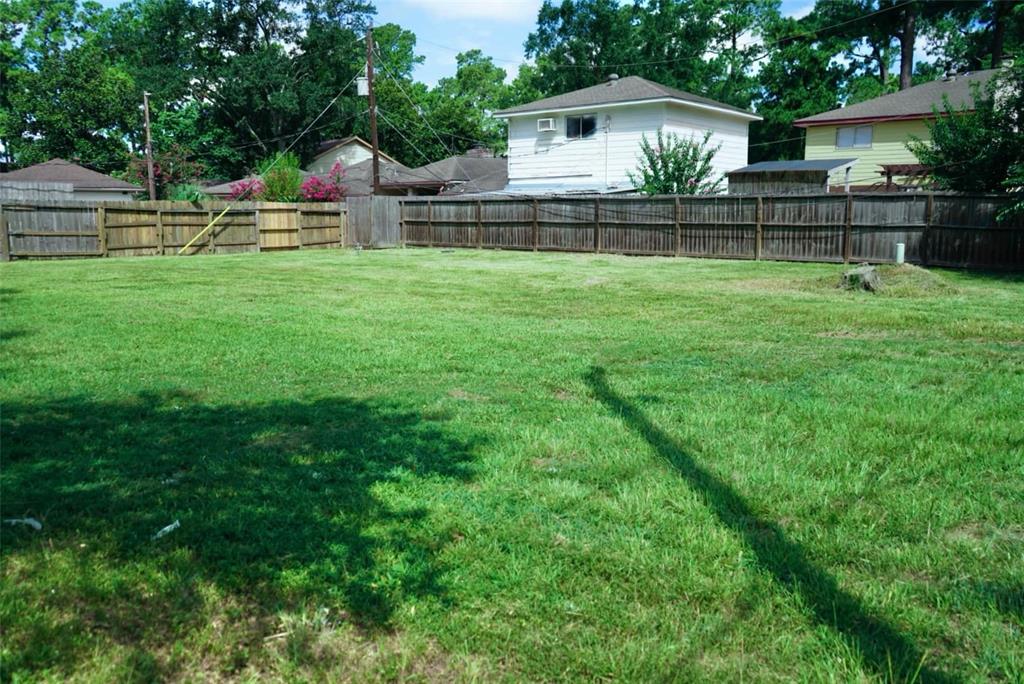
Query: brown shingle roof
point(912, 103)
point(61, 171)
point(619, 91)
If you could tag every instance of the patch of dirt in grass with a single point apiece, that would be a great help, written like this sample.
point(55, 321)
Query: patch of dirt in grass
point(463, 395)
point(593, 281)
point(979, 532)
point(563, 395)
point(858, 334)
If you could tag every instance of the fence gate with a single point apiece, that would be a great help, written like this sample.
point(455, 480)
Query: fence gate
point(374, 221)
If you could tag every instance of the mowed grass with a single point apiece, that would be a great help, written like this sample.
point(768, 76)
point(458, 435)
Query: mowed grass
point(438, 466)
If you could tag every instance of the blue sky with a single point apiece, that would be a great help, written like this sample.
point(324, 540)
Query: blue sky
point(444, 28)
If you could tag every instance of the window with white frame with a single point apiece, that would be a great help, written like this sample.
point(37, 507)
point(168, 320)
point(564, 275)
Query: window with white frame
point(853, 136)
point(582, 126)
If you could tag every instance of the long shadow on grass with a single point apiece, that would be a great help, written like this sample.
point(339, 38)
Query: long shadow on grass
point(884, 650)
point(283, 504)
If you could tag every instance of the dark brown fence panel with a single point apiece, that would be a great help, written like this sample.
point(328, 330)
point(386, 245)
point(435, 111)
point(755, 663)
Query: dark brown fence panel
point(453, 225)
point(879, 222)
point(718, 226)
point(965, 232)
point(507, 224)
point(638, 225)
point(566, 225)
point(809, 228)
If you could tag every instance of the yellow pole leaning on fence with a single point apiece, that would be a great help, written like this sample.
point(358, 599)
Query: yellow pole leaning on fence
point(200, 234)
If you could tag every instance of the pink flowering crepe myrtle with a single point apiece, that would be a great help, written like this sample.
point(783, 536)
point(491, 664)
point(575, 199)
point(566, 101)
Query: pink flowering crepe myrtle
point(248, 188)
point(328, 188)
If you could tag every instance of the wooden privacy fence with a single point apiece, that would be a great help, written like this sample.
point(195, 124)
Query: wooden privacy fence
point(936, 229)
point(64, 229)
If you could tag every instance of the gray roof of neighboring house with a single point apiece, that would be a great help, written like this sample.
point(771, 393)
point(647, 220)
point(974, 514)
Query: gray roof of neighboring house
point(618, 91)
point(913, 103)
point(795, 165)
point(62, 171)
point(459, 175)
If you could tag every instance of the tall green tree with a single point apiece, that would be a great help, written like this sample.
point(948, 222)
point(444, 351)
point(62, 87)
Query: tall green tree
point(578, 43)
point(800, 78)
point(978, 150)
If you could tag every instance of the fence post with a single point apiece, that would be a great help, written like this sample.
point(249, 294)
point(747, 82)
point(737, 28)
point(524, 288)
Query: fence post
point(536, 228)
point(256, 228)
point(848, 230)
point(5, 245)
point(597, 225)
point(213, 232)
point(678, 228)
point(479, 224)
point(430, 224)
point(159, 232)
point(926, 237)
point(298, 226)
point(101, 230)
point(401, 223)
point(759, 228)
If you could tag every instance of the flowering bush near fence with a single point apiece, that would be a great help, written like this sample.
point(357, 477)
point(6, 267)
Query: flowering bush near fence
point(328, 188)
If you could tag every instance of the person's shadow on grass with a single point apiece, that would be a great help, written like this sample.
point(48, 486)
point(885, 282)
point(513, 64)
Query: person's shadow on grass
point(884, 650)
point(284, 504)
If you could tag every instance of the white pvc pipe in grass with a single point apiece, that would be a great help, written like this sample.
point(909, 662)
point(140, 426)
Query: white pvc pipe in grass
point(900, 249)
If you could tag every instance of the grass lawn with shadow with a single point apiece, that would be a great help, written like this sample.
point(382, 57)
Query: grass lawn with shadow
point(438, 466)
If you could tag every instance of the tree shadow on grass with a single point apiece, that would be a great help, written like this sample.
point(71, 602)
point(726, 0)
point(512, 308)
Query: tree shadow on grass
point(884, 650)
point(285, 504)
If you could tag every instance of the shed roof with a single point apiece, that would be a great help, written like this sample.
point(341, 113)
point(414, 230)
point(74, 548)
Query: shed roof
point(795, 165)
point(62, 171)
point(620, 91)
point(913, 103)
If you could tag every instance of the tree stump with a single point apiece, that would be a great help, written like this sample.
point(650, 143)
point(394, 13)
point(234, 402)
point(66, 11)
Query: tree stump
point(864, 277)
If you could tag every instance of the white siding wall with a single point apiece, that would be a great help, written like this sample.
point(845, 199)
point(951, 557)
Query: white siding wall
point(729, 131)
point(349, 154)
point(549, 157)
point(534, 156)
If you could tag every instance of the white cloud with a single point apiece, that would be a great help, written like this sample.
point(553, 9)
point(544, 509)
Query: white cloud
point(523, 11)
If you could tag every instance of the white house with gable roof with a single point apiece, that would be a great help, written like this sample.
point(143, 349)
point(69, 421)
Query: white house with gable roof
point(589, 139)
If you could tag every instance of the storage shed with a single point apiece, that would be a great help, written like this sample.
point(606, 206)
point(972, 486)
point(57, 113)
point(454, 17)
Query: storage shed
point(804, 176)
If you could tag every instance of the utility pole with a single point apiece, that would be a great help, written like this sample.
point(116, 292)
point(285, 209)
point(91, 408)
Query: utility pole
point(149, 148)
point(373, 111)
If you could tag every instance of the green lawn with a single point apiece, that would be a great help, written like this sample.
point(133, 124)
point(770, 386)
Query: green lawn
point(500, 466)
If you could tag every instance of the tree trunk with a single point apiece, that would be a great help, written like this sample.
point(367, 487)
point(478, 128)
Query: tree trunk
point(908, 35)
point(878, 54)
point(998, 29)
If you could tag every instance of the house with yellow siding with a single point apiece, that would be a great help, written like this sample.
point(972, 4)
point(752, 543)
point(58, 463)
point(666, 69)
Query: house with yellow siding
point(876, 131)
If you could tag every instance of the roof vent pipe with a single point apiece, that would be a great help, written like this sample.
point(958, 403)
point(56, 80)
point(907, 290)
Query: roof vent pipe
point(612, 78)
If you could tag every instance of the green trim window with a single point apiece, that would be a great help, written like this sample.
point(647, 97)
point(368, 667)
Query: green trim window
point(853, 136)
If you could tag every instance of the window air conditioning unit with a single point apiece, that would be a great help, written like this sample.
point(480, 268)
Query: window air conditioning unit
point(545, 125)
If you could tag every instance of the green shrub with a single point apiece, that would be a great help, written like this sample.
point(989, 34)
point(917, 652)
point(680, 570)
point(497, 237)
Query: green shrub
point(282, 178)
